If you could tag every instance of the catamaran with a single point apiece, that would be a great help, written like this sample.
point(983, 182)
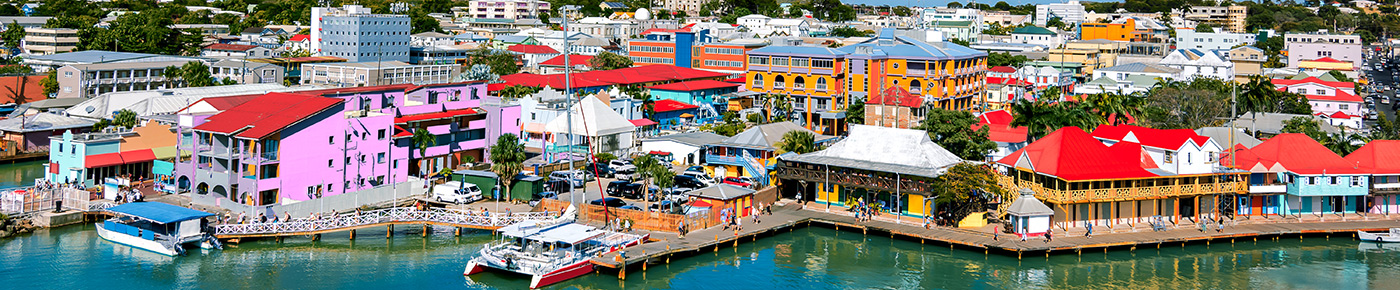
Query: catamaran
point(549, 251)
point(156, 227)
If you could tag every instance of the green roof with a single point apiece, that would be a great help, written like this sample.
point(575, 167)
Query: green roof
point(952, 24)
point(1033, 30)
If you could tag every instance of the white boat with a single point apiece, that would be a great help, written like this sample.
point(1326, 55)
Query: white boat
point(1388, 237)
point(550, 252)
point(156, 227)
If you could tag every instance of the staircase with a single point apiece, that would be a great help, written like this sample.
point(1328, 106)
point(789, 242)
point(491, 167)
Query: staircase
point(754, 167)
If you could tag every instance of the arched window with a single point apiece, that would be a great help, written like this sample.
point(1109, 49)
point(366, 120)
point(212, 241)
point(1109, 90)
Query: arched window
point(779, 82)
point(915, 87)
point(757, 81)
point(799, 84)
point(821, 84)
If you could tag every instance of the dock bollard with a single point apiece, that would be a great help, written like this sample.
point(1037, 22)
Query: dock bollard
point(352, 234)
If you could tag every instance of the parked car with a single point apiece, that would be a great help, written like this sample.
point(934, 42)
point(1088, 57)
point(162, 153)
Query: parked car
point(609, 202)
point(603, 169)
point(626, 172)
point(456, 192)
point(619, 163)
point(615, 188)
point(700, 176)
point(631, 207)
point(664, 206)
point(688, 182)
point(556, 185)
point(576, 178)
point(740, 181)
point(542, 195)
point(631, 191)
point(696, 168)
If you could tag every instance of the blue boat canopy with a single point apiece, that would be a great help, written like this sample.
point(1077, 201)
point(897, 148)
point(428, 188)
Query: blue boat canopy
point(158, 212)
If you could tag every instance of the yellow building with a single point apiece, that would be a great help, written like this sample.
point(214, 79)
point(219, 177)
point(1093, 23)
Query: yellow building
point(1110, 31)
point(823, 81)
point(1091, 58)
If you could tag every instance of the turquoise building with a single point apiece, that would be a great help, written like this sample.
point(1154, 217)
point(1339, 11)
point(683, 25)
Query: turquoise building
point(699, 93)
point(1294, 175)
point(69, 157)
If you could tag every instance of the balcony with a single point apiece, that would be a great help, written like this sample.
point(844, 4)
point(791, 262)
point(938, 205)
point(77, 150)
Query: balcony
point(722, 160)
point(265, 157)
point(1123, 194)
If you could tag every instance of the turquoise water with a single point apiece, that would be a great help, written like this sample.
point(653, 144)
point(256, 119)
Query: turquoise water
point(20, 173)
point(815, 258)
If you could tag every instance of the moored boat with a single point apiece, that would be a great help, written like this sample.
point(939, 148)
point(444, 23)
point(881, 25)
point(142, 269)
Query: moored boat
point(156, 227)
point(1393, 236)
point(550, 252)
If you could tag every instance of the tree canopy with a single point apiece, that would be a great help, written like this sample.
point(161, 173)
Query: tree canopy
point(609, 61)
point(953, 130)
point(797, 141)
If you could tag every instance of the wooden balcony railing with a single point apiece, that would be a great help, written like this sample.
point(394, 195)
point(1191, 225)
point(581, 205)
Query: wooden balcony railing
point(1123, 194)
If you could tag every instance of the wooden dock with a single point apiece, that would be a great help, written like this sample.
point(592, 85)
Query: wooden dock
point(786, 218)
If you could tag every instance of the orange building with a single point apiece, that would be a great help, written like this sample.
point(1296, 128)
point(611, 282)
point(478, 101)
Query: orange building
point(724, 57)
point(652, 51)
point(1110, 31)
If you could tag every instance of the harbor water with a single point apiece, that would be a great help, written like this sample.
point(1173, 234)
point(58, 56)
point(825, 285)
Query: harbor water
point(809, 258)
point(20, 173)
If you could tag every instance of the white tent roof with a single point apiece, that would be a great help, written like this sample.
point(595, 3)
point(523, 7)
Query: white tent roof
point(877, 148)
point(591, 118)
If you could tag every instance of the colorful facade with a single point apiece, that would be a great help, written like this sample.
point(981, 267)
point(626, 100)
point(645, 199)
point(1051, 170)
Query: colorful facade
point(1110, 31)
point(823, 81)
point(1291, 174)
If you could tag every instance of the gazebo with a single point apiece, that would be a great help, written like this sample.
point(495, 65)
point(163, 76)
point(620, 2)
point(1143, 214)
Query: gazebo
point(607, 130)
point(1029, 216)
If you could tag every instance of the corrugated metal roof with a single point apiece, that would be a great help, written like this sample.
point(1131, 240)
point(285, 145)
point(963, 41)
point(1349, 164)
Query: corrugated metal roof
point(876, 148)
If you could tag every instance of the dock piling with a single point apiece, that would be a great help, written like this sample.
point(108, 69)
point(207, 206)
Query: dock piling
point(389, 233)
point(352, 234)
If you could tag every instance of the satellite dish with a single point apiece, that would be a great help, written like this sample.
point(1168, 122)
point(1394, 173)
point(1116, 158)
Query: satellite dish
point(643, 14)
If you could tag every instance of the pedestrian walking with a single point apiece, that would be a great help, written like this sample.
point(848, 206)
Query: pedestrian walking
point(995, 232)
point(1089, 230)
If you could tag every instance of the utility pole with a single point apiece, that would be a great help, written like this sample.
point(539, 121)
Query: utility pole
point(569, 102)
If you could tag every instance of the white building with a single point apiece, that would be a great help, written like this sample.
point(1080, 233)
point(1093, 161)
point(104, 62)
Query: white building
point(765, 26)
point(1171, 150)
point(1151, 70)
point(431, 38)
point(360, 74)
point(502, 9)
point(1220, 39)
point(1069, 12)
point(247, 72)
point(1196, 63)
point(553, 38)
point(932, 15)
point(353, 33)
point(1038, 36)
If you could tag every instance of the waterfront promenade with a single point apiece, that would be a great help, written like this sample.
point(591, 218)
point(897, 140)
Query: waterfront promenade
point(788, 216)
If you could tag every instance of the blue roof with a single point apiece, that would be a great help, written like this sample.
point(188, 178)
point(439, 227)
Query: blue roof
point(158, 212)
point(909, 47)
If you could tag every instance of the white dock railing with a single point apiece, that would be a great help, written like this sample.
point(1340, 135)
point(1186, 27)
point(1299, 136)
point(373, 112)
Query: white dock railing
point(382, 216)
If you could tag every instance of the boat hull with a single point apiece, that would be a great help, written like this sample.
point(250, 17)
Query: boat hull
point(1375, 237)
point(566, 273)
point(134, 242)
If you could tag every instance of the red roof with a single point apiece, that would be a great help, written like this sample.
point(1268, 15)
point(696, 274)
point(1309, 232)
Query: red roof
point(642, 122)
point(895, 96)
point(300, 37)
point(1328, 59)
point(998, 117)
point(1300, 154)
point(1342, 96)
point(1071, 154)
point(267, 114)
point(574, 60)
point(1003, 133)
point(553, 81)
point(1165, 139)
point(694, 85)
point(1340, 115)
point(434, 116)
point(663, 30)
point(1008, 81)
point(401, 132)
point(1003, 69)
point(623, 76)
point(1291, 82)
point(119, 158)
point(495, 87)
point(532, 49)
point(740, 80)
point(672, 105)
point(1377, 157)
point(229, 47)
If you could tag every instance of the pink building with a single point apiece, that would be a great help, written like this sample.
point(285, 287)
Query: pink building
point(1326, 97)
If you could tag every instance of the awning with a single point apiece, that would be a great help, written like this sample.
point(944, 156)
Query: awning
point(700, 203)
point(158, 212)
point(53, 168)
point(160, 167)
point(534, 127)
point(401, 132)
point(119, 158)
point(434, 116)
point(642, 122)
point(687, 115)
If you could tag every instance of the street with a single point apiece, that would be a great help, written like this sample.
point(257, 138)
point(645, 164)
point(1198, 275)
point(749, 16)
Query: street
point(1383, 73)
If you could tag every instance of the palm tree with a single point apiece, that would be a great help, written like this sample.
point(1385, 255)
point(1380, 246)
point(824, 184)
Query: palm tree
point(517, 91)
point(1036, 116)
point(648, 107)
point(171, 73)
point(1114, 108)
point(798, 141)
point(507, 155)
point(647, 169)
point(422, 140)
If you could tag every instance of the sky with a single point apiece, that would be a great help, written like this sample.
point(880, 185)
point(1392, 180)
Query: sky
point(940, 3)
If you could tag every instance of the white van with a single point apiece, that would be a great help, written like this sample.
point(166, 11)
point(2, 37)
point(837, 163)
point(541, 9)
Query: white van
point(456, 192)
point(626, 172)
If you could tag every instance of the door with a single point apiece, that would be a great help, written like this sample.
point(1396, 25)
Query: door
point(1256, 205)
point(1339, 204)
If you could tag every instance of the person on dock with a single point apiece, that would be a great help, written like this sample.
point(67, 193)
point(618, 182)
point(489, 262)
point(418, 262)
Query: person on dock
point(994, 233)
point(1089, 230)
point(680, 229)
point(1047, 236)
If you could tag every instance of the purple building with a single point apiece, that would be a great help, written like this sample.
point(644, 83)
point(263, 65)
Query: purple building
point(297, 146)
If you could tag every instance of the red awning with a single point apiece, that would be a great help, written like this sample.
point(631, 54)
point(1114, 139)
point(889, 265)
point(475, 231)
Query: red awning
point(137, 156)
point(433, 116)
point(643, 122)
point(113, 159)
point(700, 203)
point(102, 160)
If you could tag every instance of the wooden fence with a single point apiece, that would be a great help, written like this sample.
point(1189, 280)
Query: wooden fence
point(644, 220)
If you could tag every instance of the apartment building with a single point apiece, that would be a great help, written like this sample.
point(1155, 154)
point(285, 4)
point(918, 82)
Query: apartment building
point(353, 33)
point(1229, 17)
point(358, 74)
point(1069, 12)
point(45, 41)
point(247, 72)
point(90, 80)
point(1311, 46)
point(1218, 39)
point(502, 9)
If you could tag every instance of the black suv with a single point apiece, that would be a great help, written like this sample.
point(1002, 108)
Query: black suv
point(615, 188)
point(609, 202)
point(632, 191)
point(687, 182)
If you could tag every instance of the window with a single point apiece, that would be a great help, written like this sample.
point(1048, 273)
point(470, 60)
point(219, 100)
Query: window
point(330, 163)
point(757, 83)
point(822, 63)
point(1188, 157)
point(821, 84)
point(780, 61)
point(758, 60)
point(1210, 157)
point(1355, 180)
point(1334, 180)
point(779, 82)
point(381, 134)
point(379, 158)
point(1167, 158)
point(1321, 91)
point(799, 84)
point(330, 139)
point(802, 62)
